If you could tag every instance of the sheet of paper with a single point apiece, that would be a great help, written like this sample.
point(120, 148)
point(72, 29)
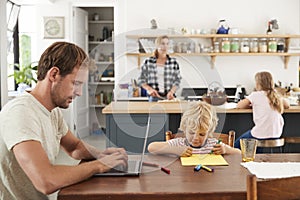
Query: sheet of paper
point(204, 159)
point(268, 170)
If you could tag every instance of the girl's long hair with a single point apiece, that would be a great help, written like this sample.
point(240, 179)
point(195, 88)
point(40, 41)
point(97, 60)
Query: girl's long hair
point(265, 83)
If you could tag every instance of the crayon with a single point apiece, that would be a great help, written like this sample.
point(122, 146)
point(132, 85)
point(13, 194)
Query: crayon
point(207, 168)
point(166, 170)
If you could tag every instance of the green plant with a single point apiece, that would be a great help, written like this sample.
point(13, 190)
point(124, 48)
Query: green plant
point(25, 74)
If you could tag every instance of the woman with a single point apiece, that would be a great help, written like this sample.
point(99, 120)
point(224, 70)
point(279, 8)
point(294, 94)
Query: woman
point(267, 107)
point(160, 74)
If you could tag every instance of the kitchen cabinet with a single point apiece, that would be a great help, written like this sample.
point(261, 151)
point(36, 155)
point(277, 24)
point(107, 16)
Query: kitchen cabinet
point(210, 39)
point(101, 49)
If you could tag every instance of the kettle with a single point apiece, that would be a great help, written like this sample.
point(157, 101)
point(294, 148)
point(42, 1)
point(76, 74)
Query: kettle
point(223, 27)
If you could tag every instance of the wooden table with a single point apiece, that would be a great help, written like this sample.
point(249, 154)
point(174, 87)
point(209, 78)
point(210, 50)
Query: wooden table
point(226, 182)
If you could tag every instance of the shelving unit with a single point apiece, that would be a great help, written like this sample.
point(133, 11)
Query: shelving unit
point(101, 49)
point(214, 37)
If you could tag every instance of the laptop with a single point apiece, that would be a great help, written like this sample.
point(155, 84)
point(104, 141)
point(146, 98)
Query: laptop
point(134, 165)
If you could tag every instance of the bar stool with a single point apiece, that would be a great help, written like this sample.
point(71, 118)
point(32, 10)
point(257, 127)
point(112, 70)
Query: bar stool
point(289, 141)
point(271, 143)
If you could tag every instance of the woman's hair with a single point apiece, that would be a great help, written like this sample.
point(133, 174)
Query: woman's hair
point(199, 115)
point(158, 42)
point(63, 55)
point(264, 82)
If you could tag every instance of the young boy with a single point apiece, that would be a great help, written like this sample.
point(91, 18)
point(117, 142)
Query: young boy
point(198, 123)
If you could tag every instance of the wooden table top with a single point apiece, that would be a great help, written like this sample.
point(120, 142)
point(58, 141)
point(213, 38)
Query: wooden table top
point(228, 182)
point(168, 107)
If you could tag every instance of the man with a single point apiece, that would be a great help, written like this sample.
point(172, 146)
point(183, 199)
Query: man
point(32, 130)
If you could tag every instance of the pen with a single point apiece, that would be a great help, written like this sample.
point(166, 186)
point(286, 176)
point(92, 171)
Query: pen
point(150, 164)
point(207, 168)
point(197, 168)
point(166, 170)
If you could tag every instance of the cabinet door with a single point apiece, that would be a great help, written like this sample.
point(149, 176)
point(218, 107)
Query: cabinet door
point(81, 104)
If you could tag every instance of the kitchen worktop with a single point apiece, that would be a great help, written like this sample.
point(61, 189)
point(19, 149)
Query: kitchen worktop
point(170, 107)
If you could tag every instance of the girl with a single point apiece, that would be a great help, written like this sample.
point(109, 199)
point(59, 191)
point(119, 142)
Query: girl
point(267, 107)
point(198, 123)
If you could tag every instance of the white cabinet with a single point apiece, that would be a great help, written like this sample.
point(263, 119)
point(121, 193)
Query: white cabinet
point(101, 78)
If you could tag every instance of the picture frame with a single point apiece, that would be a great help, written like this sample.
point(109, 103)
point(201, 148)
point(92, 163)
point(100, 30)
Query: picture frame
point(54, 27)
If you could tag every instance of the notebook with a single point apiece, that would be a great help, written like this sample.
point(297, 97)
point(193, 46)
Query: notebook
point(134, 166)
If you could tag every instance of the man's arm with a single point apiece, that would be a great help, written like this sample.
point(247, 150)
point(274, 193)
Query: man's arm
point(48, 178)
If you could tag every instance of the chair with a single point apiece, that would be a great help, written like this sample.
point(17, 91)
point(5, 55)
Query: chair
point(271, 143)
point(275, 189)
point(290, 140)
point(226, 138)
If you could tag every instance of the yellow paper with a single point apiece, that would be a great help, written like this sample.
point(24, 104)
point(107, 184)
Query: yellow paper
point(204, 159)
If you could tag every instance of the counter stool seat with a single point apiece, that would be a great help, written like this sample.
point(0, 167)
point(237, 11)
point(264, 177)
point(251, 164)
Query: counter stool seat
point(271, 143)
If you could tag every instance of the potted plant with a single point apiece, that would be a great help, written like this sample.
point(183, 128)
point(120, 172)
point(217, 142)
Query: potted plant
point(25, 75)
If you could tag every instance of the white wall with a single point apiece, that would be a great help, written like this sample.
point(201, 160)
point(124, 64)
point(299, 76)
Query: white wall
point(249, 17)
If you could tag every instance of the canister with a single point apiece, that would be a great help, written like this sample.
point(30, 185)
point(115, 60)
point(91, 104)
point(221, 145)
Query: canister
point(272, 45)
point(234, 45)
point(263, 47)
point(225, 48)
point(245, 45)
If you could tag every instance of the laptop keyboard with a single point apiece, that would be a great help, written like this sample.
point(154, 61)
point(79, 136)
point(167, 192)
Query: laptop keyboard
point(121, 168)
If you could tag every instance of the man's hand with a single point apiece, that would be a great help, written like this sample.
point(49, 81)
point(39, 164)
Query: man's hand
point(112, 160)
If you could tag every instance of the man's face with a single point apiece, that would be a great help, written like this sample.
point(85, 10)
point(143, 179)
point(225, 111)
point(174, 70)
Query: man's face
point(67, 88)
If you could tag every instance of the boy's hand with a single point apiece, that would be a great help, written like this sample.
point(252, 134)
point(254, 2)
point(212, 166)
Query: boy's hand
point(219, 149)
point(188, 151)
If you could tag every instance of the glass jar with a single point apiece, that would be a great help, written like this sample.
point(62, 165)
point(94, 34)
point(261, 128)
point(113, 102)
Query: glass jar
point(245, 45)
point(280, 45)
point(254, 45)
point(234, 45)
point(263, 47)
point(225, 48)
point(272, 45)
point(216, 47)
point(184, 47)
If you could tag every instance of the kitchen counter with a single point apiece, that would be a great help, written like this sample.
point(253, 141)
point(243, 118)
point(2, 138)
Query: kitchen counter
point(170, 107)
point(126, 122)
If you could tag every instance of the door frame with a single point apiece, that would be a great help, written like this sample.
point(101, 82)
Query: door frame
point(107, 3)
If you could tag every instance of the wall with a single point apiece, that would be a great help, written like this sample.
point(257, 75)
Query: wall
point(250, 17)
point(134, 15)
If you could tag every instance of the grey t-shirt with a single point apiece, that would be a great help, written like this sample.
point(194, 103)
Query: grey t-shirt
point(23, 119)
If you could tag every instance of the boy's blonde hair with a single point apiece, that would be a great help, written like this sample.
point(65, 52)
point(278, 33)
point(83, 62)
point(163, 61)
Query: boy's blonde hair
point(265, 83)
point(199, 115)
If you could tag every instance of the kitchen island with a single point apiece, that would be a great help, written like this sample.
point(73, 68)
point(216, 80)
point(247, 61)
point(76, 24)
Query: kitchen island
point(126, 122)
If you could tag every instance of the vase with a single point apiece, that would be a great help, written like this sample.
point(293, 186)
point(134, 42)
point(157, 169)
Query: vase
point(22, 88)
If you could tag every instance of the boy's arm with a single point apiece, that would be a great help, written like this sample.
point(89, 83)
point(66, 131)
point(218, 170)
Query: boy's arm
point(165, 148)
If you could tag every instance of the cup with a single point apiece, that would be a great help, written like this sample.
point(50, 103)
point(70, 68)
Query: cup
point(248, 147)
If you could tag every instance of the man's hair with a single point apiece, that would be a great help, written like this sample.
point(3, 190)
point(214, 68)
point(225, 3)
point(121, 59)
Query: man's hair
point(199, 115)
point(63, 55)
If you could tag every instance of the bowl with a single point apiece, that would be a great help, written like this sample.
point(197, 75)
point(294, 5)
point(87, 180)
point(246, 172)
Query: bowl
point(214, 100)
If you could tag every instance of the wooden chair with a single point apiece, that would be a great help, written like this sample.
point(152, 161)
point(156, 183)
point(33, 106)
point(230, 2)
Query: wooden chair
point(271, 143)
point(289, 141)
point(275, 189)
point(226, 138)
